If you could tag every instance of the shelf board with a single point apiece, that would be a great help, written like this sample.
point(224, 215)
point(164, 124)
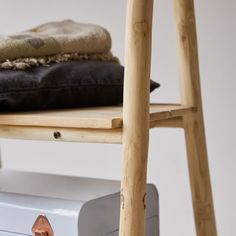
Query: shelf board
point(88, 118)
point(96, 125)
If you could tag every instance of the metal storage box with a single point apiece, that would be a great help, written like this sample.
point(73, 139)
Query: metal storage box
point(73, 206)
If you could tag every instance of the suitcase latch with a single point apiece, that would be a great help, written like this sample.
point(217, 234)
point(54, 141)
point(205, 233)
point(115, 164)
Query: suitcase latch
point(42, 227)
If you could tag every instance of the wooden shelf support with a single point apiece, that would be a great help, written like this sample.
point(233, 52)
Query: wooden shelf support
point(194, 123)
point(136, 116)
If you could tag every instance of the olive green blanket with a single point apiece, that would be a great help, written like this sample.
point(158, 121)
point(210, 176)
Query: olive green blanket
point(55, 42)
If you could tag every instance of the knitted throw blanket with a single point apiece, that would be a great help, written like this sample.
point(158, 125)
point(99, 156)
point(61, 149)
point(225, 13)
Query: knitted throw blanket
point(55, 42)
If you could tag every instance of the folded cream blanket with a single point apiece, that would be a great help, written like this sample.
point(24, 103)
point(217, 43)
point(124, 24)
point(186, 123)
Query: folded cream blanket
point(55, 42)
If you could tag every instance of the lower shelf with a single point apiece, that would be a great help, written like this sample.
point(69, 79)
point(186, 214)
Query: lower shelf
point(100, 124)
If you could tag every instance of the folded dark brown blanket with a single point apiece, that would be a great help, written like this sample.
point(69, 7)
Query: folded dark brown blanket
point(63, 85)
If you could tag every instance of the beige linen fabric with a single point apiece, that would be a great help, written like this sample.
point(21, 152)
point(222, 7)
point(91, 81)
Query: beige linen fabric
point(56, 38)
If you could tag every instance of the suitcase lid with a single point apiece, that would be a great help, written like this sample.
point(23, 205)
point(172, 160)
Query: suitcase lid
point(65, 187)
point(73, 205)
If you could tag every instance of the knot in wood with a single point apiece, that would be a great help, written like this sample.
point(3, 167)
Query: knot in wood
point(141, 27)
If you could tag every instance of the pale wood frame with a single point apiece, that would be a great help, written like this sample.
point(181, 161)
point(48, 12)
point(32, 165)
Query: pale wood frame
point(136, 119)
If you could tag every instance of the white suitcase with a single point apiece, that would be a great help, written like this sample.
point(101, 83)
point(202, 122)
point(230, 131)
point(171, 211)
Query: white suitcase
point(73, 206)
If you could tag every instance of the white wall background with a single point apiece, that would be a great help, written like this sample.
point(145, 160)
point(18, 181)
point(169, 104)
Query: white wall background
point(167, 166)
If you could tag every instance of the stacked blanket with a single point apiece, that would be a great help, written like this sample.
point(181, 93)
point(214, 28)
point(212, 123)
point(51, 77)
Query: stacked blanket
point(55, 42)
point(59, 65)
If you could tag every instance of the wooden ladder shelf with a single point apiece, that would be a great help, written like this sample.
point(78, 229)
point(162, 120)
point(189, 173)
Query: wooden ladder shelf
point(130, 124)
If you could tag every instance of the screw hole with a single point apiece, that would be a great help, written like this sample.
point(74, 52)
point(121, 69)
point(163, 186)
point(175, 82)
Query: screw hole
point(56, 135)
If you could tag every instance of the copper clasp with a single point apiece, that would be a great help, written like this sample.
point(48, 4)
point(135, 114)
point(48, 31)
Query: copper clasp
point(42, 227)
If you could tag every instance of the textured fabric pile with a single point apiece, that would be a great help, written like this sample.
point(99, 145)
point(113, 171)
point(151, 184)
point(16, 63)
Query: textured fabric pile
point(60, 65)
point(55, 42)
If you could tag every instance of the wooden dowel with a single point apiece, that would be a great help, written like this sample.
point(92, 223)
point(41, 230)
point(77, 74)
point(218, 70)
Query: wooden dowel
point(176, 122)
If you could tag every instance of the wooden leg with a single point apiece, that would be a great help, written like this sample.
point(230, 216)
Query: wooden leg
point(199, 176)
point(136, 118)
point(133, 192)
